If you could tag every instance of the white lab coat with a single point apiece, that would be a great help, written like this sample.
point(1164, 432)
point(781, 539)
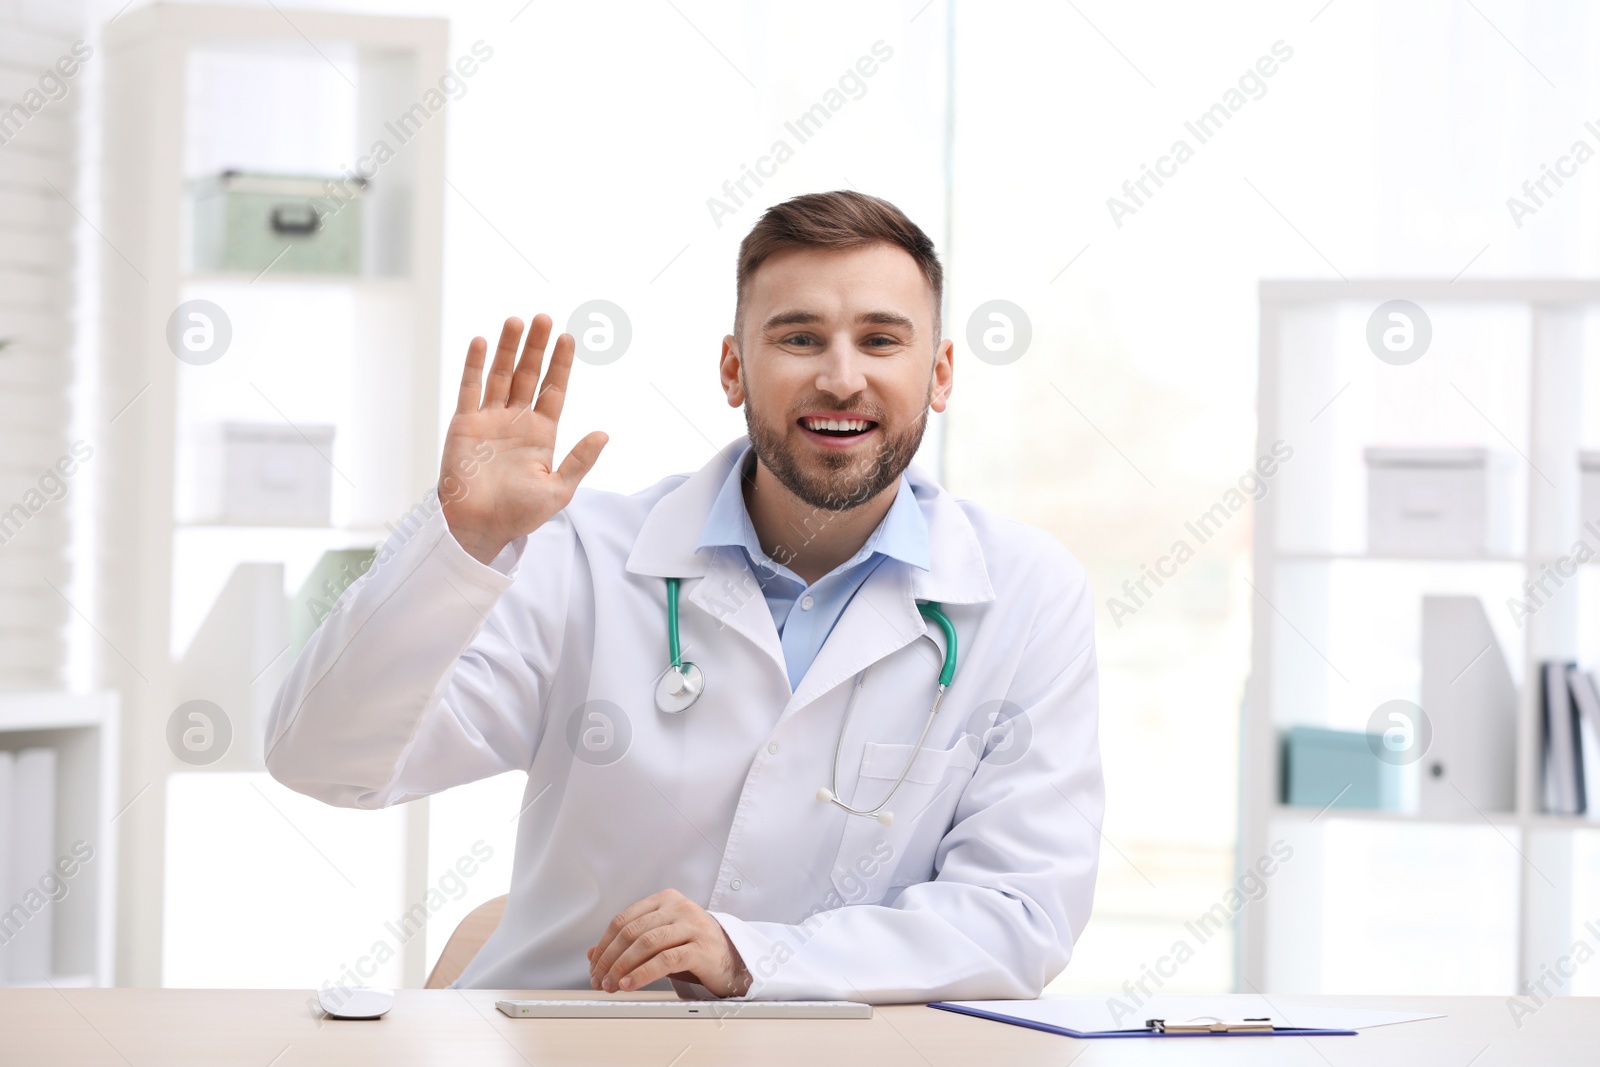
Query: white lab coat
point(436, 670)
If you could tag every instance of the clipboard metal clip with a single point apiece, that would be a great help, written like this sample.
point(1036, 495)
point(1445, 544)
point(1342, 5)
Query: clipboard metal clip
point(1210, 1024)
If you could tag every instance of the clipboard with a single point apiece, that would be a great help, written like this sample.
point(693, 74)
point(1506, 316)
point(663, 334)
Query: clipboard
point(1157, 1026)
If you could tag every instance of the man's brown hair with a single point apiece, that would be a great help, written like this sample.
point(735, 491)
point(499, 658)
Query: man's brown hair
point(837, 220)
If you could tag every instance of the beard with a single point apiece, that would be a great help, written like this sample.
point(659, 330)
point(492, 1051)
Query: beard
point(834, 481)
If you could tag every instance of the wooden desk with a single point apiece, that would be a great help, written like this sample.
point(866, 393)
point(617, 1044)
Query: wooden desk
point(275, 1028)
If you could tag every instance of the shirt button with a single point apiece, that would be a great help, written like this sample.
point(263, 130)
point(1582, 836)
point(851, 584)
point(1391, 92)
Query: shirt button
point(736, 884)
point(773, 748)
point(807, 603)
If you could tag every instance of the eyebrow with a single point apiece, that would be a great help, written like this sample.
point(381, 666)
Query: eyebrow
point(799, 317)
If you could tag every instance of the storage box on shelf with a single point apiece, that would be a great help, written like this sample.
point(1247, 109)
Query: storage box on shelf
point(265, 474)
point(1438, 502)
point(286, 222)
point(1325, 768)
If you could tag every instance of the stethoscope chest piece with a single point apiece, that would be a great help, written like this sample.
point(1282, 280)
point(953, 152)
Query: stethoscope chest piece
point(678, 689)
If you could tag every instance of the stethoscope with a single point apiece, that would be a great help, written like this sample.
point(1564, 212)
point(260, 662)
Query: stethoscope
point(682, 683)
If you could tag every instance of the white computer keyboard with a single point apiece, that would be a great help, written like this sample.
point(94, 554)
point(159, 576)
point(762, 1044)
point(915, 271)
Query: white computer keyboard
point(684, 1009)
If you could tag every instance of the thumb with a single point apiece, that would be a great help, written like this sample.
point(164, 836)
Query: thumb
point(581, 459)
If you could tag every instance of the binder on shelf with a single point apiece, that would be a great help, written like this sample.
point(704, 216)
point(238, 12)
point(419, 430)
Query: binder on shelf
point(1586, 699)
point(7, 805)
point(1562, 755)
point(33, 831)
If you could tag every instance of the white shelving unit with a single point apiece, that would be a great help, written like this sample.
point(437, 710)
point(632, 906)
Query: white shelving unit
point(1510, 366)
point(82, 728)
point(187, 609)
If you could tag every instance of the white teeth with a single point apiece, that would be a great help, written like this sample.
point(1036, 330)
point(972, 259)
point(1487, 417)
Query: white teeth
point(837, 424)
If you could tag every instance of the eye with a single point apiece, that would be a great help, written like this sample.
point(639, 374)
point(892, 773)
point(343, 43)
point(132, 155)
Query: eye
point(799, 339)
point(881, 340)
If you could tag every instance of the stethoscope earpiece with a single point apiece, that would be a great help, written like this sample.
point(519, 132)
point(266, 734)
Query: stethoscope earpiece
point(825, 795)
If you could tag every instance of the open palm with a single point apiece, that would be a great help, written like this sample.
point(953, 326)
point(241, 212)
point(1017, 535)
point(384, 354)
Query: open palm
point(498, 480)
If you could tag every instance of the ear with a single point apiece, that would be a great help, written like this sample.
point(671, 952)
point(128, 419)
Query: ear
point(728, 369)
point(943, 375)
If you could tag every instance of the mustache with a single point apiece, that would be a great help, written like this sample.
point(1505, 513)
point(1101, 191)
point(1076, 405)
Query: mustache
point(870, 411)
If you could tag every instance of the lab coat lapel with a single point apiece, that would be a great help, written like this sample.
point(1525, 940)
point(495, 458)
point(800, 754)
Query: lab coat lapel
point(882, 617)
point(717, 581)
point(730, 594)
point(665, 545)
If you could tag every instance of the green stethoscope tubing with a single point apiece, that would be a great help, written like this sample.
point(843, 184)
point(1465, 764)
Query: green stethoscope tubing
point(947, 672)
point(672, 625)
point(932, 611)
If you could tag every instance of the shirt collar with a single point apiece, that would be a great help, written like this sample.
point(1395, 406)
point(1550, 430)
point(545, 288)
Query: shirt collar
point(675, 511)
point(902, 535)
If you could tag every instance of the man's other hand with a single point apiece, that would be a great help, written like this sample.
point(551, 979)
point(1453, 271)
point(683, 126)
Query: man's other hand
point(666, 935)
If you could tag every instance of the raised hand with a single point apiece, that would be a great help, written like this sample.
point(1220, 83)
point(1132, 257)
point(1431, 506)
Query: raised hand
point(498, 480)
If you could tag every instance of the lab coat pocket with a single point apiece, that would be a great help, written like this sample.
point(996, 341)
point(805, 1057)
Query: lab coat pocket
point(873, 857)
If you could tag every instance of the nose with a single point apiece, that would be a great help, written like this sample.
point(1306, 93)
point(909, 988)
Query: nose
point(841, 371)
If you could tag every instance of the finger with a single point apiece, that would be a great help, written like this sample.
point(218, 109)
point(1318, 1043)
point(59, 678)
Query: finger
point(646, 947)
point(526, 380)
point(581, 459)
point(505, 358)
point(690, 957)
point(616, 925)
point(626, 937)
point(553, 391)
point(472, 377)
point(626, 941)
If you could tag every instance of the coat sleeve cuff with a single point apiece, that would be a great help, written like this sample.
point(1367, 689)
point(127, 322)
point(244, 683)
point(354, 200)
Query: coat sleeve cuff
point(505, 563)
point(745, 940)
point(750, 946)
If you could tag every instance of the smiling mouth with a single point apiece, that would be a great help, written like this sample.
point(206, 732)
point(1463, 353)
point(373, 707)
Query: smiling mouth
point(843, 427)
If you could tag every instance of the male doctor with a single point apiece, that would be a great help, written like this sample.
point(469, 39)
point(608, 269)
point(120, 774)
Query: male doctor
point(813, 824)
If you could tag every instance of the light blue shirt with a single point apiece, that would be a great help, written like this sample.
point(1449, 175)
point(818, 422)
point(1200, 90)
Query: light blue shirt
point(805, 615)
